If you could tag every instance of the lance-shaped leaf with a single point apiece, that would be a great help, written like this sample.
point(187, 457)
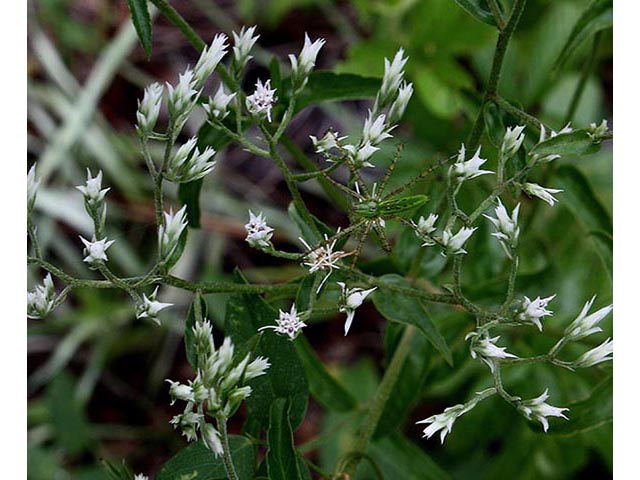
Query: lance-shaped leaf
point(142, 22)
point(282, 461)
point(478, 9)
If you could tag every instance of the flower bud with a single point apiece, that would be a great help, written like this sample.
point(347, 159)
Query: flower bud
point(149, 109)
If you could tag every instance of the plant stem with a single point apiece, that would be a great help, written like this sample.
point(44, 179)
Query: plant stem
point(379, 401)
point(226, 451)
point(504, 38)
point(31, 229)
point(497, 15)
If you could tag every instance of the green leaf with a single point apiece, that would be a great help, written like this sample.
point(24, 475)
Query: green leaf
point(282, 462)
point(478, 9)
point(597, 16)
point(306, 231)
point(189, 337)
point(592, 412)
point(199, 459)
point(410, 380)
point(397, 307)
point(398, 457)
point(587, 208)
point(245, 313)
point(142, 23)
point(68, 417)
point(323, 386)
point(324, 86)
point(576, 143)
point(117, 471)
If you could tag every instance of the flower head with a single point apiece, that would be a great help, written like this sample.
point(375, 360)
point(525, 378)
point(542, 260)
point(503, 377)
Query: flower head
point(189, 163)
point(544, 137)
point(41, 300)
point(140, 476)
point(182, 98)
point(243, 43)
point(218, 104)
point(149, 109)
point(534, 310)
point(507, 227)
point(584, 325)
point(95, 250)
point(400, 104)
point(169, 233)
point(485, 347)
point(599, 354)
point(444, 421)
point(465, 170)
point(150, 307)
point(512, 141)
point(323, 257)
point(262, 100)
point(92, 192)
point(211, 438)
point(362, 154)
point(258, 232)
point(393, 74)
point(209, 59)
point(539, 410)
point(375, 131)
point(545, 194)
point(350, 300)
point(32, 187)
point(330, 141)
point(453, 243)
point(598, 132)
point(288, 323)
point(302, 65)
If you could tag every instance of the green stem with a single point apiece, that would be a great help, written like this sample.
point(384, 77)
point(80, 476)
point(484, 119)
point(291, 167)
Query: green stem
point(31, 230)
point(226, 451)
point(520, 115)
point(513, 274)
point(504, 37)
point(497, 14)
point(577, 94)
point(379, 401)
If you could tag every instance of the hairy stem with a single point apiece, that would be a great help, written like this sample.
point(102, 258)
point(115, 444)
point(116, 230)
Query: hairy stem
point(226, 451)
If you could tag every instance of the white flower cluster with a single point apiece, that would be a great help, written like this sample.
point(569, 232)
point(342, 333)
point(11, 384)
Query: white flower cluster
point(302, 65)
point(350, 300)
point(218, 389)
point(507, 230)
point(485, 347)
point(323, 257)
point(150, 307)
point(189, 163)
point(32, 187)
point(94, 203)
point(42, 299)
point(467, 169)
point(287, 323)
point(170, 231)
point(258, 232)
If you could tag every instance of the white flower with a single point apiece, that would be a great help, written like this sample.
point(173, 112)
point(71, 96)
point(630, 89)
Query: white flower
point(486, 348)
point(426, 226)
point(211, 438)
point(539, 410)
point(288, 323)
point(149, 108)
point(362, 154)
point(545, 194)
point(393, 73)
point(543, 137)
point(169, 233)
point(302, 65)
point(95, 250)
point(140, 476)
point(243, 43)
point(217, 106)
point(256, 368)
point(330, 140)
point(466, 170)
point(508, 230)
point(375, 131)
point(40, 301)
point(512, 141)
point(400, 104)
point(453, 243)
point(189, 164)
point(258, 232)
point(323, 258)
point(598, 132)
point(189, 422)
point(444, 421)
point(180, 391)
point(262, 100)
point(599, 354)
point(91, 190)
point(533, 311)
point(350, 300)
point(584, 325)
point(151, 307)
point(32, 187)
point(182, 98)
point(209, 59)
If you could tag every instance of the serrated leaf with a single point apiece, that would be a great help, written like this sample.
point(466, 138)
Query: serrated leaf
point(323, 386)
point(396, 307)
point(576, 143)
point(189, 337)
point(69, 421)
point(199, 459)
point(593, 412)
point(282, 462)
point(245, 313)
point(142, 22)
point(596, 17)
point(478, 9)
point(324, 86)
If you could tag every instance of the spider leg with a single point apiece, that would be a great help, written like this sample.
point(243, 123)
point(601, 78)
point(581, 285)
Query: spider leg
point(392, 166)
point(338, 235)
point(341, 187)
point(358, 250)
point(383, 237)
point(413, 181)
